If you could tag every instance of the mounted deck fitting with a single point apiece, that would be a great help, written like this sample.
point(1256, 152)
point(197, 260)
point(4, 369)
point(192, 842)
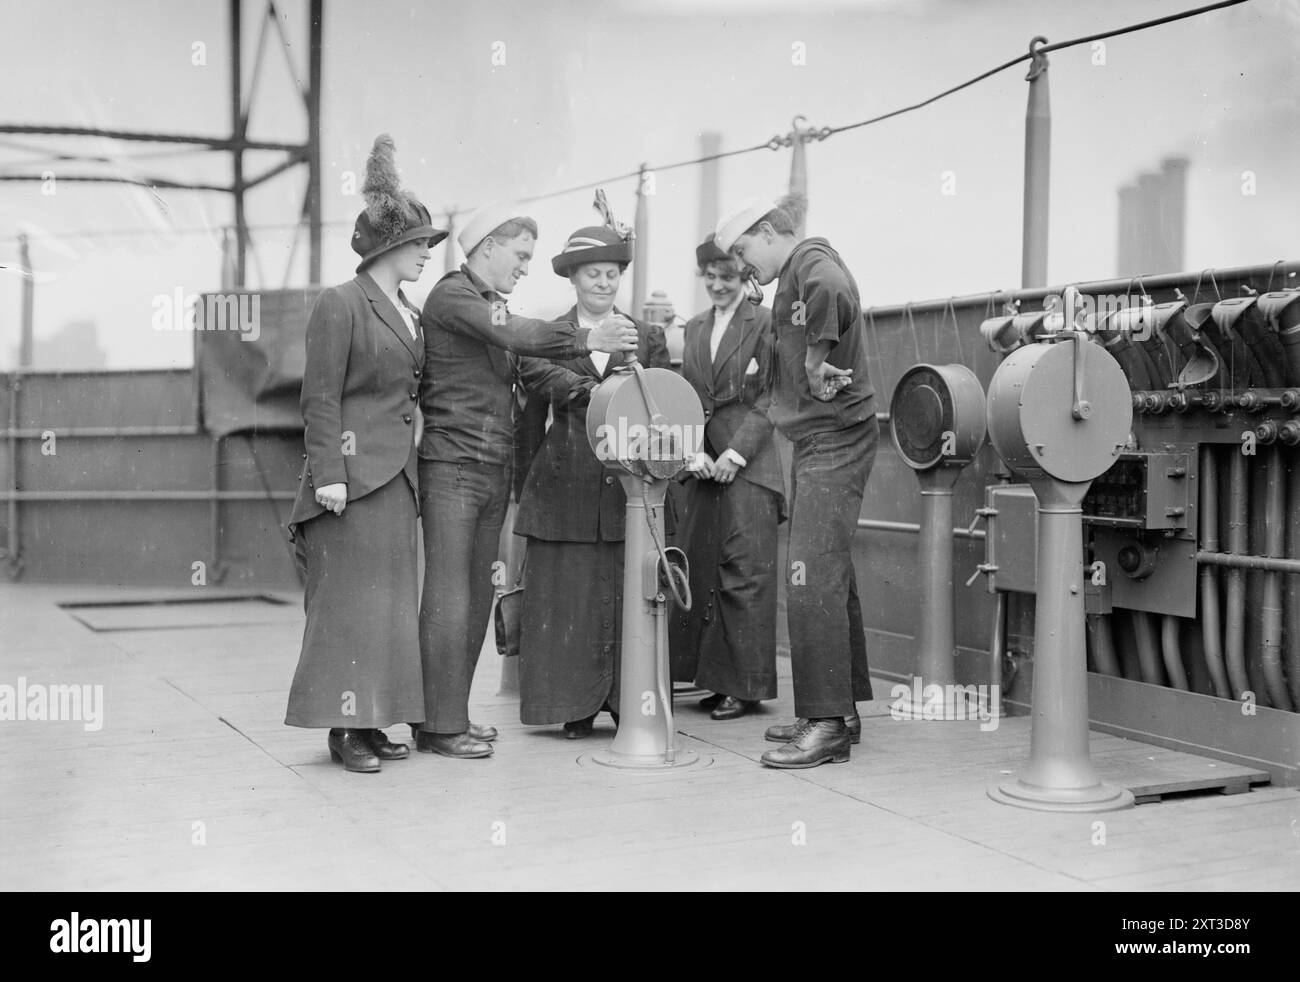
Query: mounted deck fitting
point(1059, 413)
point(937, 419)
point(646, 447)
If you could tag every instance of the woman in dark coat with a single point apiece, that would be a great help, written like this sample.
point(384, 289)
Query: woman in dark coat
point(733, 504)
point(571, 513)
point(354, 520)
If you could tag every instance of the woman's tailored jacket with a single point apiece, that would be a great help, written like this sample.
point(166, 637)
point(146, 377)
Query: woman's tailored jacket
point(734, 389)
point(570, 496)
point(360, 390)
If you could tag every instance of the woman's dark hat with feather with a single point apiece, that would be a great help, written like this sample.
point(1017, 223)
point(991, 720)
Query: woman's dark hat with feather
point(708, 252)
point(393, 216)
point(608, 243)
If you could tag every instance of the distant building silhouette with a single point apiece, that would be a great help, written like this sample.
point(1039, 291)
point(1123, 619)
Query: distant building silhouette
point(1152, 221)
point(74, 346)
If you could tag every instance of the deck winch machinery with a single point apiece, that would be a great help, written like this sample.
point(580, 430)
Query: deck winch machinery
point(1160, 513)
point(1059, 415)
point(1153, 445)
point(1150, 443)
point(1193, 533)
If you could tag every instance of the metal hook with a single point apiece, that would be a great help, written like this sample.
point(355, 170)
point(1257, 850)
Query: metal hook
point(1039, 63)
point(911, 324)
point(956, 328)
point(1269, 286)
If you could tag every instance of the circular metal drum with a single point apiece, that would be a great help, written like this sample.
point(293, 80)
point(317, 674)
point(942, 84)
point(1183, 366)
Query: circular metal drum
point(1059, 413)
point(937, 416)
point(624, 432)
point(1032, 418)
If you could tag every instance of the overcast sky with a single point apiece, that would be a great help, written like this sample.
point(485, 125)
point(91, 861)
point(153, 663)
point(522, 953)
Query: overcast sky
point(589, 90)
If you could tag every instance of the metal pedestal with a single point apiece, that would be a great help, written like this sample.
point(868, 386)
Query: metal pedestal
point(1060, 775)
point(645, 692)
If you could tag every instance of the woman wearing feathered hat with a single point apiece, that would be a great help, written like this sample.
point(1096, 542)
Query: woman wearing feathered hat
point(728, 524)
point(571, 512)
point(354, 519)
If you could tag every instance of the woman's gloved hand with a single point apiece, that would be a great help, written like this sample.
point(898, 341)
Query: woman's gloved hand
point(333, 497)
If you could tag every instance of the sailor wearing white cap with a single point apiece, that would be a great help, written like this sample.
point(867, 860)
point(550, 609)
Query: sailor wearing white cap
point(822, 401)
point(466, 393)
point(487, 219)
point(739, 221)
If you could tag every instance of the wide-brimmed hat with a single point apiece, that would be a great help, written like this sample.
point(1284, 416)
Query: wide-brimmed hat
point(393, 216)
point(592, 244)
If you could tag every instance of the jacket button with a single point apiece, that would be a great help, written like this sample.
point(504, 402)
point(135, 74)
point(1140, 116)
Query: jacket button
point(304, 456)
point(412, 395)
point(609, 479)
point(406, 419)
point(417, 373)
point(708, 413)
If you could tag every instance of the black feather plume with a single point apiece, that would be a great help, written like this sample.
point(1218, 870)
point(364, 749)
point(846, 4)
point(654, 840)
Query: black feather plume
point(387, 205)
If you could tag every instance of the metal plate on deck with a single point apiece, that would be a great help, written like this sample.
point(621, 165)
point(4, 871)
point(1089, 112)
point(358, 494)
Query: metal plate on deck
point(173, 614)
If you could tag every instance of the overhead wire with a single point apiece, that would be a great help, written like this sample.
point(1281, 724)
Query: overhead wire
point(774, 143)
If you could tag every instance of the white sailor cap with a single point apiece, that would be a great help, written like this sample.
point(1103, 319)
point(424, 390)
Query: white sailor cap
point(733, 225)
point(484, 221)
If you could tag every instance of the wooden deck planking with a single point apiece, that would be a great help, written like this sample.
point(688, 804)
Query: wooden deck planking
point(908, 812)
point(1266, 878)
point(1262, 862)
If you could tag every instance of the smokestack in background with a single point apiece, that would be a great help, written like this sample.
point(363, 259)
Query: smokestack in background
point(710, 143)
point(1171, 232)
point(1128, 255)
point(1153, 221)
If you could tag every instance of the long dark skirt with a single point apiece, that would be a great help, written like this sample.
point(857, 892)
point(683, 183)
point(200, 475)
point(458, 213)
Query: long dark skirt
point(727, 642)
point(571, 630)
point(360, 660)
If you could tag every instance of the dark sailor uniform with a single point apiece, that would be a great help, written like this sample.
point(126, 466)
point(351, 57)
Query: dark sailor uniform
point(471, 341)
point(834, 449)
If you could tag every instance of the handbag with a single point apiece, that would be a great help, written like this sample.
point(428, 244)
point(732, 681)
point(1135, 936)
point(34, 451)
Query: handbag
point(507, 620)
